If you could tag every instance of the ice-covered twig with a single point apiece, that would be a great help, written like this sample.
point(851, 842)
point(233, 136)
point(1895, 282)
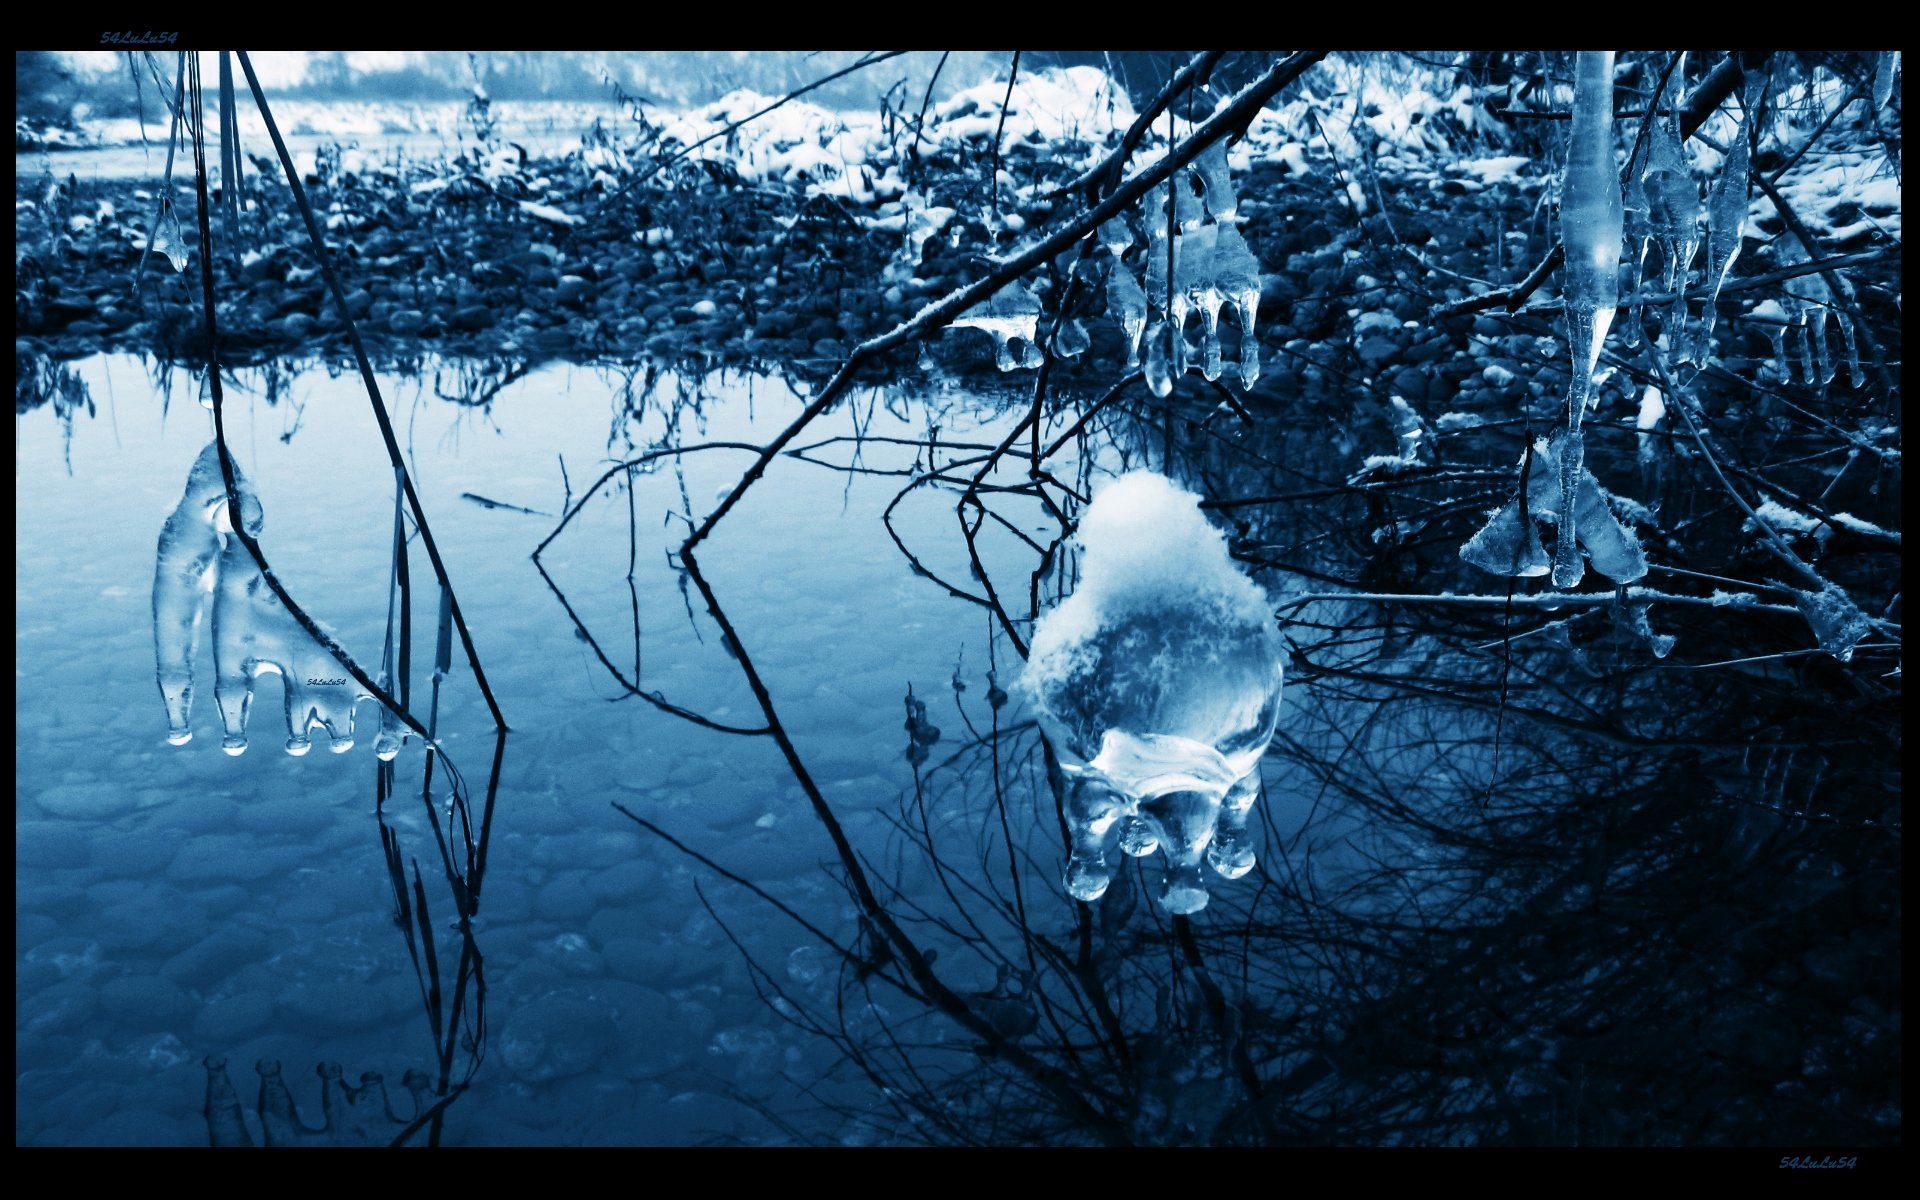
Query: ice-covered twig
point(935, 316)
point(1720, 83)
point(1743, 601)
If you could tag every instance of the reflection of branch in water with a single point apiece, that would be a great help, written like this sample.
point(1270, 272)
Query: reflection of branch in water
point(456, 1027)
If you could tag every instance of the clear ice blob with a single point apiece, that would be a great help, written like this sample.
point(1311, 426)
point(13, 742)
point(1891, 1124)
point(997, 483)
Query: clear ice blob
point(198, 562)
point(1009, 314)
point(1507, 545)
point(186, 563)
point(1217, 181)
point(255, 635)
point(1071, 341)
point(1157, 684)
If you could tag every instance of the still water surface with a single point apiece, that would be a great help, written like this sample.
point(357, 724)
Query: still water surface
point(176, 903)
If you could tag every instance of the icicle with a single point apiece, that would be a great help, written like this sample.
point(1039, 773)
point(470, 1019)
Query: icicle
point(1817, 334)
point(1160, 358)
point(1883, 74)
point(1196, 288)
point(1176, 304)
point(1570, 451)
point(1775, 317)
point(1675, 201)
point(279, 1120)
point(1727, 217)
point(1638, 225)
point(1115, 235)
point(1236, 278)
point(226, 1125)
point(1590, 225)
point(1127, 304)
point(1854, 377)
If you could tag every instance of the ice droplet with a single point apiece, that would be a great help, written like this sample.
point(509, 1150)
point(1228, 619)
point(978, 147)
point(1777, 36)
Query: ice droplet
point(1158, 685)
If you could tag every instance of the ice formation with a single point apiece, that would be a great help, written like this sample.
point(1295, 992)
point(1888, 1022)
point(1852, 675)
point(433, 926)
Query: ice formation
point(1507, 545)
point(1591, 226)
point(198, 559)
point(350, 1115)
point(1158, 685)
point(1192, 240)
point(1010, 313)
point(1127, 304)
point(1673, 194)
point(185, 568)
point(1727, 215)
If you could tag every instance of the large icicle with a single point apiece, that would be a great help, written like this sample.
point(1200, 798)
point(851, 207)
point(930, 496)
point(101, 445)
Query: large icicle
point(1727, 216)
point(1675, 199)
point(1591, 227)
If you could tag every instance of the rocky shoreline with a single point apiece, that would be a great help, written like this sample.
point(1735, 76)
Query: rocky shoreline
point(709, 271)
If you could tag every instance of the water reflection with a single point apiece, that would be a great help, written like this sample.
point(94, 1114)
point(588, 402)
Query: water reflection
point(1466, 809)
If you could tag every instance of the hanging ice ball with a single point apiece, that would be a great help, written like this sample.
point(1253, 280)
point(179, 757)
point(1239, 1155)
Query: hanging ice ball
point(1158, 685)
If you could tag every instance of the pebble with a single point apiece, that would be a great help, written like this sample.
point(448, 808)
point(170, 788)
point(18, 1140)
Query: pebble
point(640, 960)
point(406, 321)
point(560, 1034)
point(49, 844)
point(473, 317)
point(563, 900)
point(215, 957)
point(89, 801)
point(624, 880)
point(342, 1006)
point(146, 1002)
point(216, 858)
point(62, 1008)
